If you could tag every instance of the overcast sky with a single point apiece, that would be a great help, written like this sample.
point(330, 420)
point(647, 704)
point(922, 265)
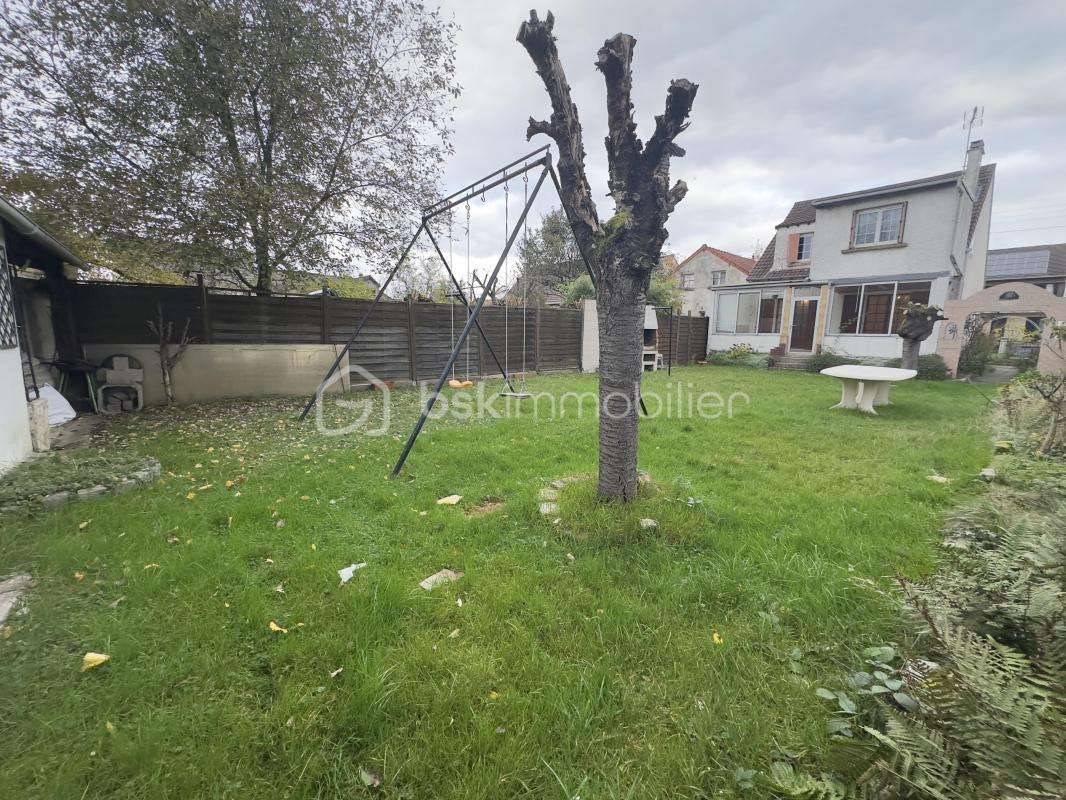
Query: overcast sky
point(796, 100)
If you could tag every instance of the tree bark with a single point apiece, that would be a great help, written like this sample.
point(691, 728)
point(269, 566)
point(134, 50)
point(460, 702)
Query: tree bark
point(910, 353)
point(625, 249)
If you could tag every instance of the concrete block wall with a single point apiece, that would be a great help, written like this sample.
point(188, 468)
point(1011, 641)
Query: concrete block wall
point(215, 371)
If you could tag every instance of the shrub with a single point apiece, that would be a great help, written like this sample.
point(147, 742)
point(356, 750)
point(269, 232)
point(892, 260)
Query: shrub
point(977, 353)
point(931, 367)
point(740, 355)
point(826, 359)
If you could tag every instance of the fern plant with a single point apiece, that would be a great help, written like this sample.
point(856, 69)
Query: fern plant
point(990, 720)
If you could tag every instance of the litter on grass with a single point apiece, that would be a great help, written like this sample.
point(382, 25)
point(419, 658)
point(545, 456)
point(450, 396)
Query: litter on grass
point(92, 660)
point(347, 572)
point(437, 578)
point(450, 500)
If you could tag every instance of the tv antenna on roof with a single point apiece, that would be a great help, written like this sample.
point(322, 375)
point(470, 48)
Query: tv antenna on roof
point(971, 119)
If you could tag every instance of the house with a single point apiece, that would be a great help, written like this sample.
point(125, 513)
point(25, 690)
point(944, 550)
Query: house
point(23, 242)
point(707, 268)
point(1041, 264)
point(840, 269)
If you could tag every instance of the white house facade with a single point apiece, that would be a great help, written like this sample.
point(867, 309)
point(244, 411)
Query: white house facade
point(840, 270)
point(703, 272)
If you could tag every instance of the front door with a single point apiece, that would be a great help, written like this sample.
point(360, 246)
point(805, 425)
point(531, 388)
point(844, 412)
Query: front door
point(804, 314)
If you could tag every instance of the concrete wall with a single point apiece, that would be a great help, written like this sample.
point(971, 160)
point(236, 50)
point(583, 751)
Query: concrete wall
point(1031, 301)
point(15, 442)
point(927, 238)
point(699, 301)
point(214, 371)
point(590, 337)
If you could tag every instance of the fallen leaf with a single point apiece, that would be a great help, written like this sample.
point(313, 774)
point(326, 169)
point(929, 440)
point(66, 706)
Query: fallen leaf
point(280, 588)
point(494, 695)
point(336, 672)
point(277, 628)
point(305, 497)
point(79, 576)
point(151, 566)
point(205, 487)
point(450, 500)
point(114, 603)
point(279, 524)
point(190, 496)
point(938, 479)
point(93, 660)
point(110, 727)
point(717, 638)
point(229, 484)
point(454, 634)
point(83, 525)
point(368, 778)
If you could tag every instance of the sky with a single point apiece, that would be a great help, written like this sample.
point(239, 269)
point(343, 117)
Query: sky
point(796, 100)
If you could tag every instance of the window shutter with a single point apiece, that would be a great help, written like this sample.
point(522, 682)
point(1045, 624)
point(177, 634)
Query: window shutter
point(793, 247)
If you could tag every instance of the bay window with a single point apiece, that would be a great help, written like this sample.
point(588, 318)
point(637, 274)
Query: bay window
point(873, 226)
point(873, 308)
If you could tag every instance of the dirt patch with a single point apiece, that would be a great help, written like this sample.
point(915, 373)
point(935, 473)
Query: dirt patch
point(486, 506)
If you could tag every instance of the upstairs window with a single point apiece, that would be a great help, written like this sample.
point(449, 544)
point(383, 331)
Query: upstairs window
point(688, 281)
point(718, 277)
point(800, 246)
point(874, 226)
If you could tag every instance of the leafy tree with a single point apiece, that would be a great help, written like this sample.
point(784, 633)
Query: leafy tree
point(626, 248)
point(249, 137)
point(550, 256)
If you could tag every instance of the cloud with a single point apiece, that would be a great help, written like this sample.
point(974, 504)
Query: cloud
point(796, 100)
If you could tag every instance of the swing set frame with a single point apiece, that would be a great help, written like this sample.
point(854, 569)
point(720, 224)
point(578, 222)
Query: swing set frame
point(539, 158)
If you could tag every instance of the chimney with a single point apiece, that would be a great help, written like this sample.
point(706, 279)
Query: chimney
point(974, 155)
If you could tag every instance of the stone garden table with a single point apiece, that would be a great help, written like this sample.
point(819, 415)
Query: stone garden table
point(865, 387)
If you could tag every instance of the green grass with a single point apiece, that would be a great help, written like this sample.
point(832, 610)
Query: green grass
point(595, 676)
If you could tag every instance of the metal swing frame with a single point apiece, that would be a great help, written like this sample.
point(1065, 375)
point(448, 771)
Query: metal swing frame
point(541, 157)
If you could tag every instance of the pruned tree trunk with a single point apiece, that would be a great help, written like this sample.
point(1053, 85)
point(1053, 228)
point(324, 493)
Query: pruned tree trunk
point(910, 353)
point(626, 248)
point(917, 326)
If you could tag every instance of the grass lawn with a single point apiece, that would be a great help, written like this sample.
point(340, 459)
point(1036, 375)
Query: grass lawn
point(596, 676)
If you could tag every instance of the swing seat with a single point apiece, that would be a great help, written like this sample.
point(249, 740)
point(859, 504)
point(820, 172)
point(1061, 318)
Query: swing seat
point(518, 395)
point(454, 384)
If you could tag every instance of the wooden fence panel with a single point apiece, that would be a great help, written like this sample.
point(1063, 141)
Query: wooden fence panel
point(560, 339)
point(118, 313)
point(109, 314)
point(382, 347)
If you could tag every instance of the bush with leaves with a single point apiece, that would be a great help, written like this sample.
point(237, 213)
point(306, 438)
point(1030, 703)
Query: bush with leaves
point(931, 367)
point(977, 353)
point(825, 359)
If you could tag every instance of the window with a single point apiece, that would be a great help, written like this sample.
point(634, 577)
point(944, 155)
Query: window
point(770, 312)
point(878, 226)
point(688, 280)
point(907, 293)
point(804, 246)
point(748, 312)
point(845, 316)
point(718, 277)
point(873, 308)
point(725, 321)
point(876, 308)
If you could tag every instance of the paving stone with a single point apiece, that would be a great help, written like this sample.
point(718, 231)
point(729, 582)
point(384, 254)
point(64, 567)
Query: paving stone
point(558, 484)
point(55, 500)
point(549, 494)
point(549, 508)
point(11, 589)
point(647, 523)
point(92, 492)
point(124, 485)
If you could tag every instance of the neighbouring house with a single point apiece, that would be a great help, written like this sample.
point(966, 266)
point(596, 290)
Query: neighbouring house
point(1040, 264)
point(24, 244)
point(1043, 266)
point(705, 270)
point(840, 269)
